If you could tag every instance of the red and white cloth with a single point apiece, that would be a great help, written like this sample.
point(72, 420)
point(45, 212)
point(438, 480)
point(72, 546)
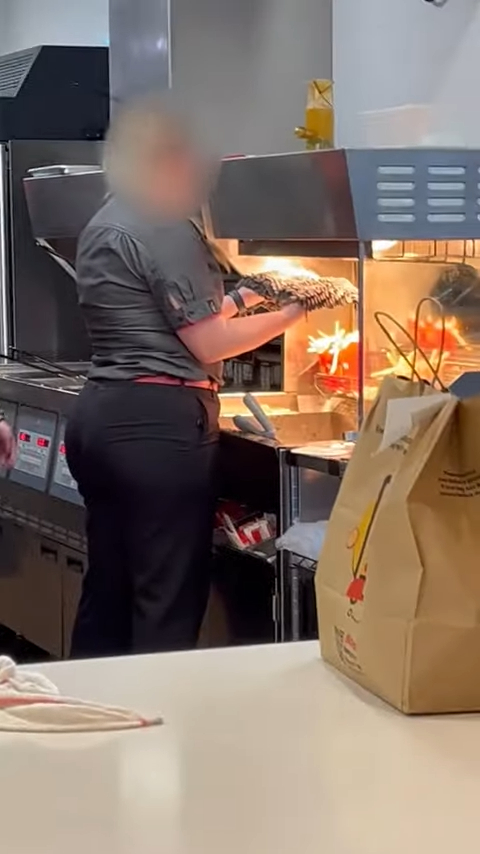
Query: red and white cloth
point(29, 702)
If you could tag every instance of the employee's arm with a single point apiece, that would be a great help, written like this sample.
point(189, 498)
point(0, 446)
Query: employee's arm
point(189, 293)
point(217, 338)
point(8, 445)
point(249, 299)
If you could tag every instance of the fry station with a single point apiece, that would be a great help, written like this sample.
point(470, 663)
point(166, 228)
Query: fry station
point(401, 225)
point(398, 225)
point(315, 686)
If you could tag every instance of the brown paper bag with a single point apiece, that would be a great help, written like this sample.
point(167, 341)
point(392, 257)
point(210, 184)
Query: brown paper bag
point(398, 581)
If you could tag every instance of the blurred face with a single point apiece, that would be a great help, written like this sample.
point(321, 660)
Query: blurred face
point(178, 179)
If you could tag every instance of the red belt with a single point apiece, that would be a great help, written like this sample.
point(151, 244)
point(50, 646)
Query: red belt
point(176, 381)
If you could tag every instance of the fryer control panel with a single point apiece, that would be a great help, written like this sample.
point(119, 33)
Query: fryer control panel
point(63, 484)
point(35, 437)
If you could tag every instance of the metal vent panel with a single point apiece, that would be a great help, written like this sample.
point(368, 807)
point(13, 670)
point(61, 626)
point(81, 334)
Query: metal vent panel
point(429, 194)
point(14, 68)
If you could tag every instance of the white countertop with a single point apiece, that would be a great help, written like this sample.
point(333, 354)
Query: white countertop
point(264, 751)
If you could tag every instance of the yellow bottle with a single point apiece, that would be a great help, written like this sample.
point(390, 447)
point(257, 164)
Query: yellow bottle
point(318, 131)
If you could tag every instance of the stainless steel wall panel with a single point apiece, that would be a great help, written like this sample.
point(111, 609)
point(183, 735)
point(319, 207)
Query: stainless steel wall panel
point(242, 67)
point(139, 47)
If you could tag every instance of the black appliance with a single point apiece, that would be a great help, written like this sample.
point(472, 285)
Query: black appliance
point(38, 297)
point(54, 92)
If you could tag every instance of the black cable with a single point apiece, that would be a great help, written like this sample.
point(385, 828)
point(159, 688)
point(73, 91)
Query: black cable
point(27, 363)
point(42, 362)
point(36, 362)
point(437, 3)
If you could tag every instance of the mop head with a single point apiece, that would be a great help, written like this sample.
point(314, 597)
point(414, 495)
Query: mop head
point(29, 702)
point(311, 292)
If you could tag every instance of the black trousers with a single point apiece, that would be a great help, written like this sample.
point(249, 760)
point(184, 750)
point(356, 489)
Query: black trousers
point(144, 457)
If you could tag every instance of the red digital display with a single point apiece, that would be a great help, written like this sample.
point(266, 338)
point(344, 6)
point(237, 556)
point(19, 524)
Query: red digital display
point(42, 442)
point(24, 437)
point(61, 449)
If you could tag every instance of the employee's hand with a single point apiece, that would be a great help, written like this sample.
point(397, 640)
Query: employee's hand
point(250, 298)
point(8, 446)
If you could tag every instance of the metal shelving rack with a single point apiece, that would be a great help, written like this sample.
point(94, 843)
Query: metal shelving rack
point(309, 486)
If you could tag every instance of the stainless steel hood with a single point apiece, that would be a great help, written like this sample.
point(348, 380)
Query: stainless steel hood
point(62, 199)
point(339, 195)
point(350, 195)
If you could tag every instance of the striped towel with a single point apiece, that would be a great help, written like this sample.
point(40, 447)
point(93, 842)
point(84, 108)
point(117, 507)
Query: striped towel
point(29, 702)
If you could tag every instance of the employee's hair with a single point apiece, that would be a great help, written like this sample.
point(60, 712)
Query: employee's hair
point(140, 132)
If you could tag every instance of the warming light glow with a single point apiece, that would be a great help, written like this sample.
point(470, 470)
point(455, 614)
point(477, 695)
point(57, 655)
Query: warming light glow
point(383, 245)
point(333, 345)
point(436, 337)
point(286, 267)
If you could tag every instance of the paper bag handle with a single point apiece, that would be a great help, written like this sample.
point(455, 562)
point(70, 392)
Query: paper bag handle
point(379, 317)
point(441, 351)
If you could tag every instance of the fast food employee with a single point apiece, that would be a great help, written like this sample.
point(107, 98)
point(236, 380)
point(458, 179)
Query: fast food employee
point(142, 441)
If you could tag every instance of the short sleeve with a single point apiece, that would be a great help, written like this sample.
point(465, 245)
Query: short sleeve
point(185, 278)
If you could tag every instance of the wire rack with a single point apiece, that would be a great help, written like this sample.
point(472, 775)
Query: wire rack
point(435, 251)
point(302, 562)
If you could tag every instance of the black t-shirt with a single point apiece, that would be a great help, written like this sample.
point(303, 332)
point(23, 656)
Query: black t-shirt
point(139, 281)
